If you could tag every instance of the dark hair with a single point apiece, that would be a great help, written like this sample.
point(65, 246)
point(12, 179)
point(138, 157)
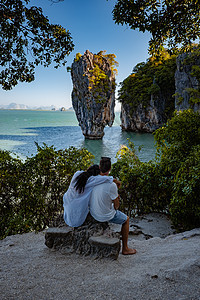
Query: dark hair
point(105, 164)
point(81, 179)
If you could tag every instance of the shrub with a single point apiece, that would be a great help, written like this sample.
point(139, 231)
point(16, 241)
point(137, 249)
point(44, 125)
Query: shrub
point(33, 190)
point(171, 183)
point(10, 173)
point(185, 203)
point(143, 189)
point(178, 153)
point(175, 141)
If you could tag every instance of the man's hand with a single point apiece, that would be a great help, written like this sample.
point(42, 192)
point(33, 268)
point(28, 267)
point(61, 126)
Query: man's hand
point(117, 182)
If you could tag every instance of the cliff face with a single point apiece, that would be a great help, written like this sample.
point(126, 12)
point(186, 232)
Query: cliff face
point(148, 118)
point(93, 95)
point(143, 120)
point(186, 87)
point(185, 82)
point(146, 95)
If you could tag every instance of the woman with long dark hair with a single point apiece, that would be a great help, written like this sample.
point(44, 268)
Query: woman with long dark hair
point(76, 199)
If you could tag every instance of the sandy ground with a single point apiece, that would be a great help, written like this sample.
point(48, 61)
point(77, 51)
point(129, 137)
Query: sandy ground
point(163, 268)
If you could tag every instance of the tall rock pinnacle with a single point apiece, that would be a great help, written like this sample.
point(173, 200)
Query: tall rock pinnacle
point(93, 95)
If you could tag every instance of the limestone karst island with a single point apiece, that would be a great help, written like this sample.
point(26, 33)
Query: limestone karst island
point(93, 95)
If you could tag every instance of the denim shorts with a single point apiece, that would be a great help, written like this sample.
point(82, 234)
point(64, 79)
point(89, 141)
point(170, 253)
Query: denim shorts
point(119, 218)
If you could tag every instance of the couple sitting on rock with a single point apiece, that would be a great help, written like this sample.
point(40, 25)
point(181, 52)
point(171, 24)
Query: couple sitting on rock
point(95, 192)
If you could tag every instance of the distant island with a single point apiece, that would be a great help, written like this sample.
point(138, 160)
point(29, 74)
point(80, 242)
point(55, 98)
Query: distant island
point(26, 107)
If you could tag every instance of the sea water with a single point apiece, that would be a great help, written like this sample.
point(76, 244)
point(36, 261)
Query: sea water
point(20, 129)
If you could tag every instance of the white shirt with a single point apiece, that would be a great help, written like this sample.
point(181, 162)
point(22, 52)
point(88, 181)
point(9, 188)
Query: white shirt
point(101, 205)
point(76, 205)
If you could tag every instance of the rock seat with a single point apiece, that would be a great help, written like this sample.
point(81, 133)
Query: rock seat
point(92, 238)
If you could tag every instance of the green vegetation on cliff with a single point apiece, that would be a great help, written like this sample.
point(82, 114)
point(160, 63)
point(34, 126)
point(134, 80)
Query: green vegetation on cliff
point(193, 59)
point(153, 78)
point(100, 81)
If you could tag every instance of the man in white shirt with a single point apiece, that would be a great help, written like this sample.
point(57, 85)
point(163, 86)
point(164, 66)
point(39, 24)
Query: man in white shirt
point(104, 203)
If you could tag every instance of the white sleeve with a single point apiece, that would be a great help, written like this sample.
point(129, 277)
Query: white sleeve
point(113, 193)
point(96, 180)
point(74, 178)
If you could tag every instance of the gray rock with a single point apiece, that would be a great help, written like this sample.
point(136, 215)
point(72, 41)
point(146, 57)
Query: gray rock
point(92, 238)
point(94, 108)
point(148, 226)
point(102, 246)
point(183, 81)
point(95, 238)
point(152, 225)
point(146, 119)
point(57, 238)
point(143, 119)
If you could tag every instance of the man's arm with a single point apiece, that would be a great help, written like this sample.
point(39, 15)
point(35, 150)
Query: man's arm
point(116, 203)
point(117, 182)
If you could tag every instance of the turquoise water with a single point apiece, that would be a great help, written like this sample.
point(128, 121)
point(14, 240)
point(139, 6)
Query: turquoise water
point(20, 129)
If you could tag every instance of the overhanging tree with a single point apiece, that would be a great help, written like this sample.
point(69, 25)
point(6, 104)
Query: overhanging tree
point(170, 22)
point(27, 39)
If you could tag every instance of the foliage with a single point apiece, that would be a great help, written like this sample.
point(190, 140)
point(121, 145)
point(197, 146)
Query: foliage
point(179, 98)
point(143, 189)
point(179, 134)
point(78, 56)
point(155, 77)
point(194, 95)
point(185, 202)
point(111, 59)
point(32, 191)
point(170, 22)
point(192, 60)
point(28, 40)
point(171, 183)
point(178, 152)
point(99, 81)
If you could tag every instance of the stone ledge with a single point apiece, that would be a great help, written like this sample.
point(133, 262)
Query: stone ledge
point(84, 240)
point(102, 246)
point(57, 238)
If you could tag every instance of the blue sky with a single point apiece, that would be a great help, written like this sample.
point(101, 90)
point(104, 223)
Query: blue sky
point(92, 27)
